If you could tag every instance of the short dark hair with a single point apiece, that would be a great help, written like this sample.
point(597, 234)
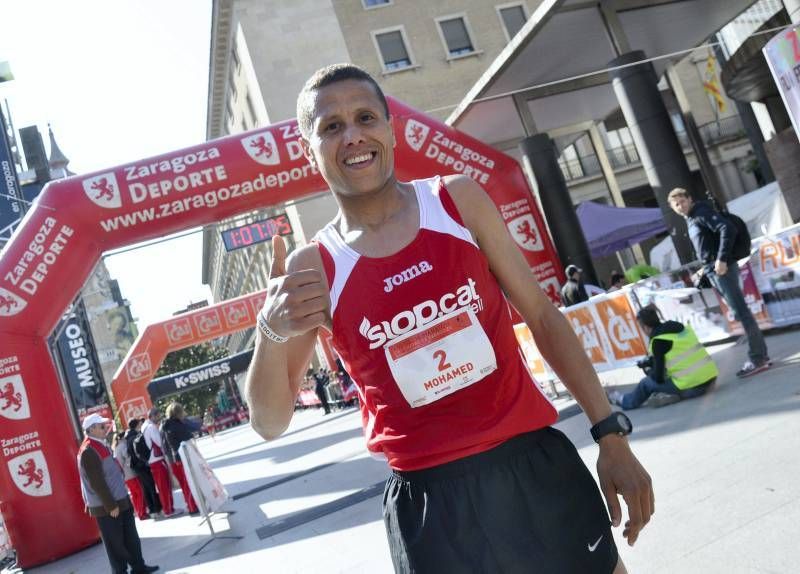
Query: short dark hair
point(133, 424)
point(616, 276)
point(678, 192)
point(325, 77)
point(649, 316)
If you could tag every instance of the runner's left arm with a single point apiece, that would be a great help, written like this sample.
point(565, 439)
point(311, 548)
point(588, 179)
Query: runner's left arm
point(618, 469)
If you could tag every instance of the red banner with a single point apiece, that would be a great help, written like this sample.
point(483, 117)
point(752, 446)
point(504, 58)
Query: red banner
point(75, 220)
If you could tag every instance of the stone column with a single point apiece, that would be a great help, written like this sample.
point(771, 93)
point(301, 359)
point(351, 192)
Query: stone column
point(557, 204)
point(662, 158)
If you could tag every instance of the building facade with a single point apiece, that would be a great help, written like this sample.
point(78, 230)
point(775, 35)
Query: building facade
point(427, 54)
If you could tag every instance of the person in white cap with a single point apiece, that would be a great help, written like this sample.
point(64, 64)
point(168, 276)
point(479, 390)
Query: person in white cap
point(105, 496)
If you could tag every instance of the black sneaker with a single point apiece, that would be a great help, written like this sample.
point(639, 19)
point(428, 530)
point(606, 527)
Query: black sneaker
point(146, 570)
point(749, 369)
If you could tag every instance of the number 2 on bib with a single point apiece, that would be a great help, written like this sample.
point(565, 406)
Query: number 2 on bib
point(442, 356)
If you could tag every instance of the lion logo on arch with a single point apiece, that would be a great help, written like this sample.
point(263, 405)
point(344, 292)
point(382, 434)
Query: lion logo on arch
point(30, 473)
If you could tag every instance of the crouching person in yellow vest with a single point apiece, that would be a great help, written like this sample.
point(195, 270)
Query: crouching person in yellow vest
point(678, 363)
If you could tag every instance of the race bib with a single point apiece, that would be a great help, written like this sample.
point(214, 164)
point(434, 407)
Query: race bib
point(441, 357)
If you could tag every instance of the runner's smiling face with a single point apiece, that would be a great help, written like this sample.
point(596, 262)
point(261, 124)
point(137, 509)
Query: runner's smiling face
point(351, 140)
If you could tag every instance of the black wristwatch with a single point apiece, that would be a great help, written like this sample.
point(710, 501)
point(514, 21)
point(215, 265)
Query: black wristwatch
point(617, 423)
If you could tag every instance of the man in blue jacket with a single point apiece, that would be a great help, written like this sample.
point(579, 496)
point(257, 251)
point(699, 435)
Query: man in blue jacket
point(713, 235)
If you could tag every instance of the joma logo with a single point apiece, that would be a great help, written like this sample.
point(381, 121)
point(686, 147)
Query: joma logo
point(406, 275)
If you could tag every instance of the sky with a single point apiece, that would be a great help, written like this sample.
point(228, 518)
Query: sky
point(118, 81)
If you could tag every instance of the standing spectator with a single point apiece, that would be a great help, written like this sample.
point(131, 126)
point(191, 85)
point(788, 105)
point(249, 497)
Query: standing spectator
point(713, 237)
point(321, 379)
point(103, 490)
point(177, 428)
point(158, 467)
point(208, 421)
point(616, 282)
point(573, 291)
point(142, 469)
point(120, 449)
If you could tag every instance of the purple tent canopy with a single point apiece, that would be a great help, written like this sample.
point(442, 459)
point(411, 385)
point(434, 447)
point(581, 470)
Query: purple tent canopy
point(608, 229)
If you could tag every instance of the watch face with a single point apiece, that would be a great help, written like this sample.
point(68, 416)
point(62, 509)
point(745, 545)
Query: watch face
point(624, 423)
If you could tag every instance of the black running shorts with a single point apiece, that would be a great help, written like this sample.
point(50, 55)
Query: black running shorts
point(528, 505)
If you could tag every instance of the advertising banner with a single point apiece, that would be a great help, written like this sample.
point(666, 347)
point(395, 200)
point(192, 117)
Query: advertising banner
point(80, 363)
point(625, 342)
point(608, 331)
point(589, 332)
point(207, 490)
point(538, 368)
point(11, 209)
point(776, 273)
point(783, 57)
point(198, 376)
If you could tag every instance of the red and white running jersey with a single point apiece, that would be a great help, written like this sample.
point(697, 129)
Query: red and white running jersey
point(426, 335)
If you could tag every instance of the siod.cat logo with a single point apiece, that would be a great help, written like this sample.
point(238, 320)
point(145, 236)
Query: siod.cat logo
point(262, 148)
point(10, 304)
point(103, 190)
point(416, 134)
point(30, 474)
point(13, 399)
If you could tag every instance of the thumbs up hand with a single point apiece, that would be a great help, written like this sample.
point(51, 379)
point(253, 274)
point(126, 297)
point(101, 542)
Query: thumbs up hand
point(296, 301)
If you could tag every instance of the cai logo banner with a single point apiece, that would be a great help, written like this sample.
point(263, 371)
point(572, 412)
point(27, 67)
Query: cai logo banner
point(178, 331)
point(30, 474)
point(134, 409)
point(13, 399)
point(262, 148)
point(139, 366)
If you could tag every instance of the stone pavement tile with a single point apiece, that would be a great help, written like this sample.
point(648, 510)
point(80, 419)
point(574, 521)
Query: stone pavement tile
point(724, 469)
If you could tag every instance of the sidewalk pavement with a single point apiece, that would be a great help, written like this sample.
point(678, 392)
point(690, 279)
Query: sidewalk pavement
point(725, 470)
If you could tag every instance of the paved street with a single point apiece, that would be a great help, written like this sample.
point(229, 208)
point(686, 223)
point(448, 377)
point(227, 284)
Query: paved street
point(725, 471)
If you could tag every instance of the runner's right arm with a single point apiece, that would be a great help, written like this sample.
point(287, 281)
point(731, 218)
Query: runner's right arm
point(297, 305)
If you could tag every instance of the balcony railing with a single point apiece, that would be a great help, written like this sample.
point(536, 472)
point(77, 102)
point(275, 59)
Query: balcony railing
point(720, 130)
point(626, 156)
point(589, 165)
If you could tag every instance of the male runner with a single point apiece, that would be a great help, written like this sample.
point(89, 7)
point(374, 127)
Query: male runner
point(410, 279)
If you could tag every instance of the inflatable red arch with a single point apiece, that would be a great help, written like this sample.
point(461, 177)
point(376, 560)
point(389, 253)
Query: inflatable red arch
point(159, 339)
point(75, 220)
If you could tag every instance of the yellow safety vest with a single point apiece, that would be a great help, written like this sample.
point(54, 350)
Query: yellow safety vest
point(688, 363)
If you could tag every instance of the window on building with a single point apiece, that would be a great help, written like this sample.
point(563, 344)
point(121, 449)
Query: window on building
point(252, 109)
point(513, 17)
point(235, 58)
point(228, 111)
point(375, 3)
point(393, 49)
point(456, 37)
